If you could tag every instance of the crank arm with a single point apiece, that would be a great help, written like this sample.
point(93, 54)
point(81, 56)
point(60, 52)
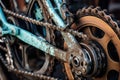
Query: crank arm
point(73, 46)
point(29, 38)
point(69, 38)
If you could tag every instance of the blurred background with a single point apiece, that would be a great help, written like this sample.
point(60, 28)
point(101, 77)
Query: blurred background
point(113, 6)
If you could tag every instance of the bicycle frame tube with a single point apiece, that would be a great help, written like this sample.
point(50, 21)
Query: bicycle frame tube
point(29, 38)
point(41, 43)
point(69, 39)
point(54, 15)
point(58, 4)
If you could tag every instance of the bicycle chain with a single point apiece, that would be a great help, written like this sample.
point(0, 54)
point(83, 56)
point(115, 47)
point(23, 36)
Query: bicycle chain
point(81, 35)
point(102, 14)
point(54, 27)
point(51, 26)
point(27, 73)
point(48, 25)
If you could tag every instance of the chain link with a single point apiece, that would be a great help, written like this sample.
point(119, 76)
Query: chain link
point(26, 73)
point(54, 27)
point(51, 26)
point(48, 25)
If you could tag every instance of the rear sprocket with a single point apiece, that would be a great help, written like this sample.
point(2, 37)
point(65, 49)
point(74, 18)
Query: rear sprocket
point(102, 31)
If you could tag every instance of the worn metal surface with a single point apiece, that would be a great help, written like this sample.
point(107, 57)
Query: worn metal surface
point(109, 33)
point(31, 39)
point(53, 14)
point(81, 55)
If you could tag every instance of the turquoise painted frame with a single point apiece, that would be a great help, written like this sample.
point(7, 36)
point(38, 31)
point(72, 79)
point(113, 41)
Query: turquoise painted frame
point(39, 42)
point(29, 38)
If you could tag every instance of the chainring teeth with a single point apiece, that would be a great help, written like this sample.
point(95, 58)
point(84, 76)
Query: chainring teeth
point(88, 11)
point(100, 14)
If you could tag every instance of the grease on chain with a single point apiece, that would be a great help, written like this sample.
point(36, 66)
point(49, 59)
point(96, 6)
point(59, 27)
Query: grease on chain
point(54, 27)
point(48, 25)
point(26, 73)
point(51, 26)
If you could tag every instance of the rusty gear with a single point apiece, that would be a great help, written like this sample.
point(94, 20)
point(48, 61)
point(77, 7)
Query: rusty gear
point(100, 28)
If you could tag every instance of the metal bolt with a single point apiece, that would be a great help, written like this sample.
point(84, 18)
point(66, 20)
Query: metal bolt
point(76, 61)
point(83, 70)
point(84, 63)
point(78, 72)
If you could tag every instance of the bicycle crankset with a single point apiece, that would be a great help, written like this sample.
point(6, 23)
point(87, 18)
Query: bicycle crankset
point(101, 52)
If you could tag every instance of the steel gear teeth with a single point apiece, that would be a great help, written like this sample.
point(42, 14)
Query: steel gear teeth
point(108, 18)
point(83, 10)
point(98, 8)
point(100, 14)
point(105, 10)
point(79, 12)
point(92, 11)
point(89, 9)
point(54, 27)
point(95, 11)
